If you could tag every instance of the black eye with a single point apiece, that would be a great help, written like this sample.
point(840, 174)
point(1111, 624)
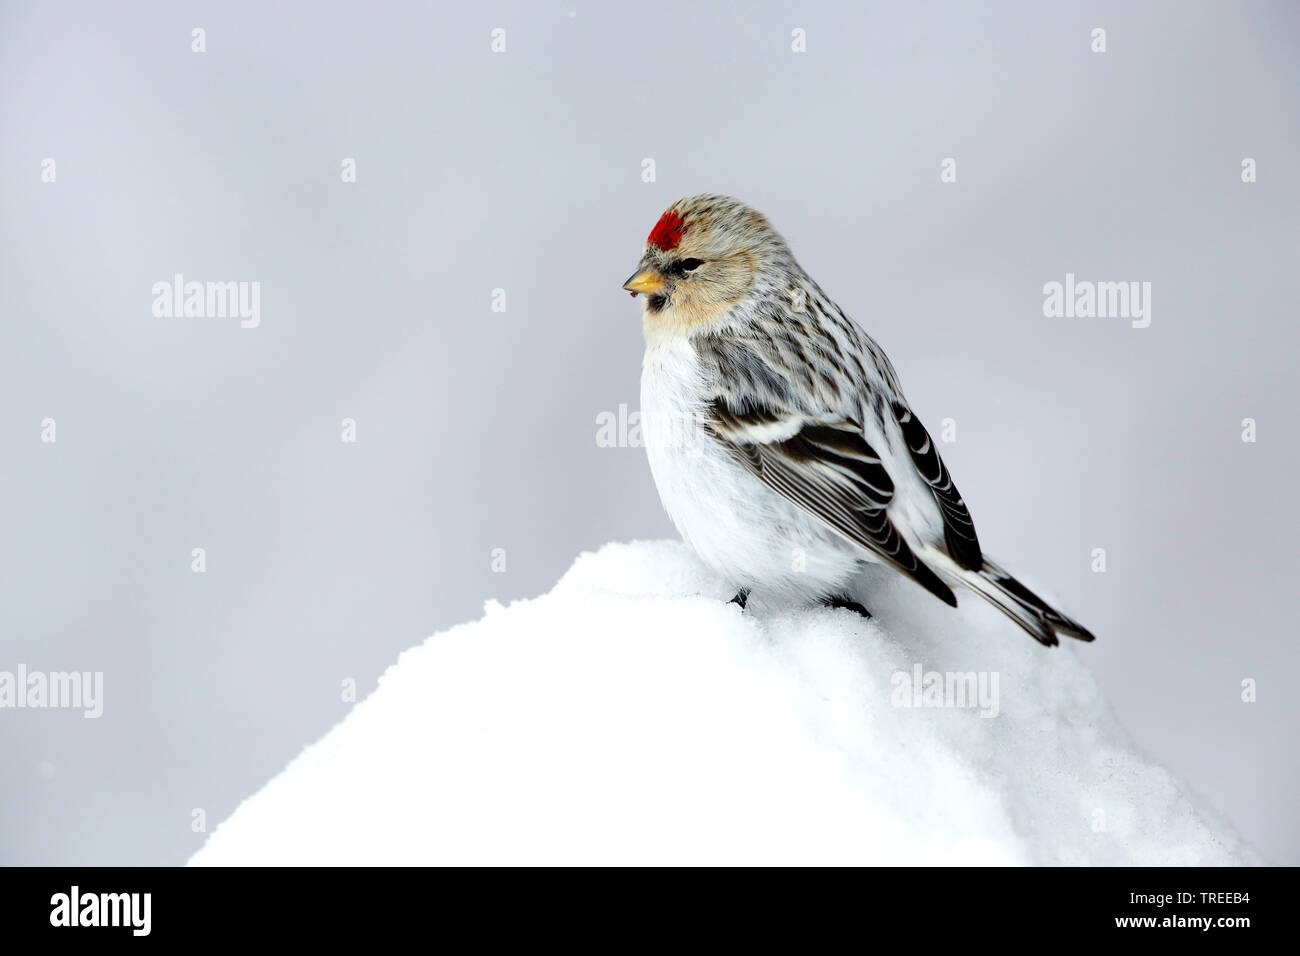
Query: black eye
point(690, 264)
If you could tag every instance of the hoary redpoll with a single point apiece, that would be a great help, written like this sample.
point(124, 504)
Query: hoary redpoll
point(778, 435)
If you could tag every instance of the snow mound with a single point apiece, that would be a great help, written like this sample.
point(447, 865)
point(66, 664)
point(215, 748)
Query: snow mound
point(632, 716)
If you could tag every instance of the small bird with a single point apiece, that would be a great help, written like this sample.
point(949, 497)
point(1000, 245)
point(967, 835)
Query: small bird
point(778, 435)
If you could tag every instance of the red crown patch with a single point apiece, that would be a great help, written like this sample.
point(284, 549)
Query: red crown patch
point(668, 231)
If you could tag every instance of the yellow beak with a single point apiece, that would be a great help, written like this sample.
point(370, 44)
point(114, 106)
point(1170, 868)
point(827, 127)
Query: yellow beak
point(647, 282)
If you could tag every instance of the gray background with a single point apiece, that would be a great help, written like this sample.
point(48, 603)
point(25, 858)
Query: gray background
point(476, 430)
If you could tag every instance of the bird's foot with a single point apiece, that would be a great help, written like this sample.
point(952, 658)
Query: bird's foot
point(849, 605)
point(742, 596)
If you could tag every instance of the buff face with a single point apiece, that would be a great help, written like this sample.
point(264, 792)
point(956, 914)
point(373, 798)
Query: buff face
point(693, 270)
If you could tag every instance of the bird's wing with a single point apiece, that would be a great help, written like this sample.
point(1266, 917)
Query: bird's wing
point(958, 528)
point(828, 469)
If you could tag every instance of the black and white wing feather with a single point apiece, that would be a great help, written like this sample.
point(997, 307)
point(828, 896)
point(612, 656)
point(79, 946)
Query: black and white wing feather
point(958, 528)
point(828, 469)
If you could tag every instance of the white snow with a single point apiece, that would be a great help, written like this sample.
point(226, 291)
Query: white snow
point(631, 716)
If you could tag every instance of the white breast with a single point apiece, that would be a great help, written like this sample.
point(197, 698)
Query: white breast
point(746, 532)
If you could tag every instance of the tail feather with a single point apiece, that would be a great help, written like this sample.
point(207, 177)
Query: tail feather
point(1040, 619)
